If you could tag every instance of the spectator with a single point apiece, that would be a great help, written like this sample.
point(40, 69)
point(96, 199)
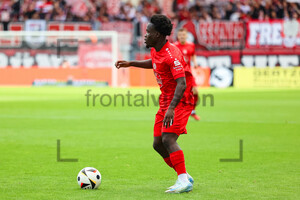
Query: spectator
point(29, 11)
point(217, 13)
point(5, 17)
point(206, 16)
point(103, 14)
point(183, 14)
point(228, 11)
point(245, 7)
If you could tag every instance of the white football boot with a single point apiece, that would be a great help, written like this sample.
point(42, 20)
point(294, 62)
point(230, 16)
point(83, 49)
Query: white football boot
point(189, 178)
point(180, 187)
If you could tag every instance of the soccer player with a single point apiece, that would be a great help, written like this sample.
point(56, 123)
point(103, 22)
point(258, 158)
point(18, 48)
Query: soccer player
point(188, 50)
point(176, 99)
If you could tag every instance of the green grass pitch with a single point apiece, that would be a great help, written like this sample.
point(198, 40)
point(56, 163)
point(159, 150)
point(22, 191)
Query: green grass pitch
point(117, 141)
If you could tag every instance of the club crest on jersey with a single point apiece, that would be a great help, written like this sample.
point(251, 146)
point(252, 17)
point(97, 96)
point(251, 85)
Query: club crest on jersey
point(154, 66)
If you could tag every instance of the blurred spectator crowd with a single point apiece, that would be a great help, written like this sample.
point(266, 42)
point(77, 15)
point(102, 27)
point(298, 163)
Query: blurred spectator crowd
point(100, 10)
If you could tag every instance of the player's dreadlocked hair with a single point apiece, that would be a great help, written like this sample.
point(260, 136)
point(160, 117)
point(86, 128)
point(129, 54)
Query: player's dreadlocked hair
point(162, 24)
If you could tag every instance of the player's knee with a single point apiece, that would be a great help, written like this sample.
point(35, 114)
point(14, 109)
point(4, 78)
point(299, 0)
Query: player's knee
point(166, 142)
point(157, 145)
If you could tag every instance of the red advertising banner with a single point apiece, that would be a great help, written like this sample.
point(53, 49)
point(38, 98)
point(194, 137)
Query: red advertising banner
point(216, 35)
point(221, 34)
point(16, 26)
point(273, 34)
point(54, 26)
point(69, 26)
point(117, 26)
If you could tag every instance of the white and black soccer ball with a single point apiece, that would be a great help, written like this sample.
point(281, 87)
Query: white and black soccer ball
point(89, 178)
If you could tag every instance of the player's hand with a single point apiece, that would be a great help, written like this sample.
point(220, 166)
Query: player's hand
point(169, 118)
point(122, 63)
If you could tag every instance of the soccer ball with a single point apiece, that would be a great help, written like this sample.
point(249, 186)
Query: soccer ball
point(89, 178)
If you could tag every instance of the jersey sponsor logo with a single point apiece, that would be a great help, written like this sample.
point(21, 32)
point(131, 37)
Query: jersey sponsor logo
point(178, 66)
point(177, 63)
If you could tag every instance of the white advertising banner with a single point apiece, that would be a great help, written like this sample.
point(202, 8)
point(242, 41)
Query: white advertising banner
point(277, 33)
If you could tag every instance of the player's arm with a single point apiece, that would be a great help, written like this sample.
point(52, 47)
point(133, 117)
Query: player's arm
point(180, 88)
point(145, 64)
point(194, 59)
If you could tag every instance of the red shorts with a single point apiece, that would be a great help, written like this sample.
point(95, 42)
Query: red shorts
point(181, 117)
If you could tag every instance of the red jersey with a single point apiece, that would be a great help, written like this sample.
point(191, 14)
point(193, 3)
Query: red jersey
point(168, 65)
point(188, 50)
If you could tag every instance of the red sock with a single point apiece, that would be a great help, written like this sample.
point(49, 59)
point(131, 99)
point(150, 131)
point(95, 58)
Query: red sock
point(195, 100)
point(168, 161)
point(177, 159)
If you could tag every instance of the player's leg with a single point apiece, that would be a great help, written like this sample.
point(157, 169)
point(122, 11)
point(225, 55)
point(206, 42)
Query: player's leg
point(159, 148)
point(157, 141)
point(196, 97)
point(169, 140)
point(183, 183)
